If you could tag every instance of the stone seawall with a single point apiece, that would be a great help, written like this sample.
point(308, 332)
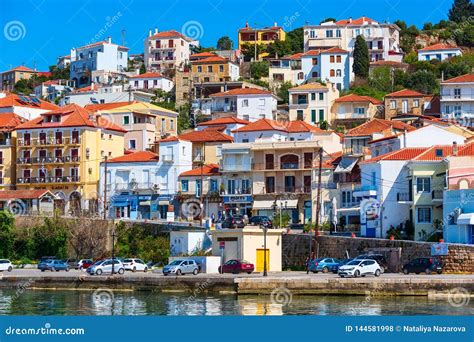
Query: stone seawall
point(296, 250)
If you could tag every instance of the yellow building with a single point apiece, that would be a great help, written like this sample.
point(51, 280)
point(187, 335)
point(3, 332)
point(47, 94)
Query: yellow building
point(264, 36)
point(61, 151)
point(214, 69)
point(144, 122)
point(10, 77)
point(8, 121)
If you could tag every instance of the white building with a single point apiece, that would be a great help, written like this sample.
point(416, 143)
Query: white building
point(383, 39)
point(422, 137)
point(52, 89)
point(286, 69)
point(25, 106)
point(330, 65)
point(63, 61)
point(167, 50)
point(151, 80)
point(230, 123)
point(248, 104)
point(101, 56)
point(457, 99)
point(439, 51)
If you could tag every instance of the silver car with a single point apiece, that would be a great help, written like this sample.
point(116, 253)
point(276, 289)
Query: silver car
point(105, 266)
point(180, 267)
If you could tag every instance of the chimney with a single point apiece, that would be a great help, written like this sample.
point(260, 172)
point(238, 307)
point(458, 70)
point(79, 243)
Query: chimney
point(92, 85)
point(275, 24)
point(149, 33)
point(156, 30)
point(455, 148)
point(350, 19)
point(404, 138)
point(109, 40)
point(247, 24)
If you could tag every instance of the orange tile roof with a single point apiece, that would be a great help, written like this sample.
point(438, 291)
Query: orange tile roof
point(71, 116)
point(310, 86)
point(272, 125)
point(242, 91)
point(8, 121)
point(202, 54)
point(213, 59)
point(405, 93)
point(332, 161)
point(335, 49)
point(101, 43)
point(20, 68)
point(468, 78)
point(207, 170)
point(135, 157)
point(358, 21)
point(467, 150)
point(312, 53)
point(206, 136)
point(170, 139)
point(295, 56)
point(170, 34)
point(439, 46)
point(432, 153)
point(377, 126)
point(299, 126)
point(358, 98)
point(106, 106)
point(22, 194)
point(149, 75)
point(227, 120)
point(14, 100)
point(408, 153)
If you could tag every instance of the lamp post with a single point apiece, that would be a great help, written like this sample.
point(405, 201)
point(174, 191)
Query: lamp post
point(264, 227)
point(113, 251)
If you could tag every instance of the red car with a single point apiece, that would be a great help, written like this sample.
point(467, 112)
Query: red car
point(84, 264)
point(236, 266)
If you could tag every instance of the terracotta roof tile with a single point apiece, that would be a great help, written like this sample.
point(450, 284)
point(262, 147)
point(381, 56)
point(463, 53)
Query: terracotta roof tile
point(14, 100)
point(213, 59)
point(439, 46)
point(359, 21)
point(206, 136)
point(242, 91)
point(272, 125)
point(8, 121)
point(105, 106)
point(170, 34)
point(202, 54)
point(408, 153)
point(149, 75)
point(405, 93)
point(467, 150)
point(310, 86)
point(358, 98)
point(20, 68)
point(228, 120)
point(22, 194)
point(332, 161)
point(377, 126)
point(468, 78)
point(135, 157)
point(207, 170)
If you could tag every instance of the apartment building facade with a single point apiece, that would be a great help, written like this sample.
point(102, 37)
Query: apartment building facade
point(457, 99)
point(151, 80)
point(10, 77)
point(8, 122)
point(214, 69)
point(355, 108)
point(439, 52)
point(260, 36)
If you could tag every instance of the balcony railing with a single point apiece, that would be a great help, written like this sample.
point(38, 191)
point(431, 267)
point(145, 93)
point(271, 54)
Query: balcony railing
point(48, 160)
point(42, 180)
point(301, 165)
point(133, 186)
point(306, 189)
point(404, 197)
point(5, 142)
point(239, 191)
point(49, 141)
point(167, 158)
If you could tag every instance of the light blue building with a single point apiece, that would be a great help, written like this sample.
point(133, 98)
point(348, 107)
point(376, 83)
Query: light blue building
point(458, 216)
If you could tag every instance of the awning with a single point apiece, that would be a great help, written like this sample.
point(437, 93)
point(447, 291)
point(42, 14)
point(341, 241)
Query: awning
point(268, 205)
point(145, 203)
point(120, 204)
point(163, 202)
point(467, 218)
point(346, 164)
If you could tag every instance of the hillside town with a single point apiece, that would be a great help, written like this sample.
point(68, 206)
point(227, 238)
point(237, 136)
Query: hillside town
point(339, 127)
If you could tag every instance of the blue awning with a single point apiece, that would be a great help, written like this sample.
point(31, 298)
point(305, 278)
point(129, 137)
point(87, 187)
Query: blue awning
point(120, 204)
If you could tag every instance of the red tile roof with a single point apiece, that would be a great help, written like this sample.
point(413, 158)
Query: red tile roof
point(202, 54)
point(242, 91)
point(14, 100)
point(358, 98)
point(106, 106)
point(213, 59)
point(335, 49)
point(228, 120)
point(135, 157)
point(71, 116)
point(170, 34)
point(312, 53)
point(207, 170)
point(8, 121)
point(358, 21)
point(408, 153)
point(206, 136)
point(22, 194)
point(435, 153)
point(149, 75)
point(405, 93)
point(377, 126)
point(439, 46)
point(332, 161)
point(101, 43)
point(272, 125)
point(170, 139)
point(467, 150)
point(20, 68)
point(468, 78)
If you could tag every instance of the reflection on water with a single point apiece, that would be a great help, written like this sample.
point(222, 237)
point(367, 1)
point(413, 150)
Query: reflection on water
point(58, 302)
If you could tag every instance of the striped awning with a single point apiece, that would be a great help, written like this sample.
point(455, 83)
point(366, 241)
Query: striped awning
point(268, 205)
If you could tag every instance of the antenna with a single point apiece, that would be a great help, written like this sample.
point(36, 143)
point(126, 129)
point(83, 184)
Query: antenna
point(123, 37)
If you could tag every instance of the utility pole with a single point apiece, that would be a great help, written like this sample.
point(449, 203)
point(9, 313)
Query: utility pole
point(129, 94)
point(201, 200)
point(255, 44)
point(105, 188)
point(318, 197)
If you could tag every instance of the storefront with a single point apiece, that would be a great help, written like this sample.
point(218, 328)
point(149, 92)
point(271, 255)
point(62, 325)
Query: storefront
point(134, 206)
point(273, 209)
point(235, 204)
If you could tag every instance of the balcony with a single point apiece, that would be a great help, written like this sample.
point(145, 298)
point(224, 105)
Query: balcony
point(167, 158)
point(365, 191)
point(462, 97)
point(6, 142)
point(404, 197)
point(354, 150)
point(45, 180)
point(49, 141)
point(133, 186)
point(301, 165)
point(298, 190)
point(48, 160)
point(226, 108)
point(238, 191)
point(437, 195)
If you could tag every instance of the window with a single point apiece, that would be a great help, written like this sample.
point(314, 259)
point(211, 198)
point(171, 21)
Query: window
point(332, 73)
point(313, 96)
point(269, 185)
point(126, 120)
point(172, 124)
point(314, 61)
point(332, 59)
point(393, 104)
point(184, 185)
point(338, 59)
point(338, 33)
point(405, 106)
point(329, 33)
point(300, 75)
point(209, 68)
point(199, 68)
point(132, 144)
point(424, 215)
point(231, 186)
point(423, 184)
point(198, 187)
point(246, 117)
point(321, 96)
point(314, 74)
point(321, 115)
point(338, 73)
point(313, 115)
point(213, 185)
point(218, 151)
point(245, 103)
point(457, 93)
point(359, 110)
point(299, 115)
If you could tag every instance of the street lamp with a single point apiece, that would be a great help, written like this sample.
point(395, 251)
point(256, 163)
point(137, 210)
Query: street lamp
point(113, 250)
point(265, 228)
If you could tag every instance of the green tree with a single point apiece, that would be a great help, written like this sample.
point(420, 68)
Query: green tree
point(381, 79)
point(248, 50)
point(461, 10)
point(328, 19)
point(295, 39)
point(361, 58)
point(423, 81)
point(323, 124)
point(59, 74)
point(50, 238)
point(6, 233)
point(27, 86)
point(184, 121)
point(142, 68)
point(282, 92)
point(259, 69)
point(224, 43)
point(279, 48)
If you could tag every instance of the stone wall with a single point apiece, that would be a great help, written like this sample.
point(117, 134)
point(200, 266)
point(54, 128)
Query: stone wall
point(296, 250)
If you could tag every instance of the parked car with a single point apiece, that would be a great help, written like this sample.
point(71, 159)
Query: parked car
point(427, 265)
point(180, 267)
point(261, 221)
point(236, 221)
point(84, 264)
point(363, 267)
point(134, 265)
point(323, 265)
point(43, 259)
point(377, 257)
point(5, 265)
point(236, 266)
point(71, 262)
point(105, 266)
point(342, 262)
point(54, 265)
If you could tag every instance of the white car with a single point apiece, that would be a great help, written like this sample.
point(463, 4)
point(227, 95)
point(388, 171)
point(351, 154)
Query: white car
point(134, 265)
point(5, 265)
point(105, 266)
point(357, 268)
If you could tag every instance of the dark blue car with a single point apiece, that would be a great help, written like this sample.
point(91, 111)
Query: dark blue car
point(53, 265)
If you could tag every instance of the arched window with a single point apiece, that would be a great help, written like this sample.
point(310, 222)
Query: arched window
point(332, 73)
point(289, 161)
point(338, 72)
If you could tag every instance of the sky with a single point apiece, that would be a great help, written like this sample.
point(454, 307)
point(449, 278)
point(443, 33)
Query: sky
point(35, 32)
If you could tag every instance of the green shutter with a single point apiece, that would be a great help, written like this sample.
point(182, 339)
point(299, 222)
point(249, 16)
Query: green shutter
point(313, 115)
point(321, 114)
